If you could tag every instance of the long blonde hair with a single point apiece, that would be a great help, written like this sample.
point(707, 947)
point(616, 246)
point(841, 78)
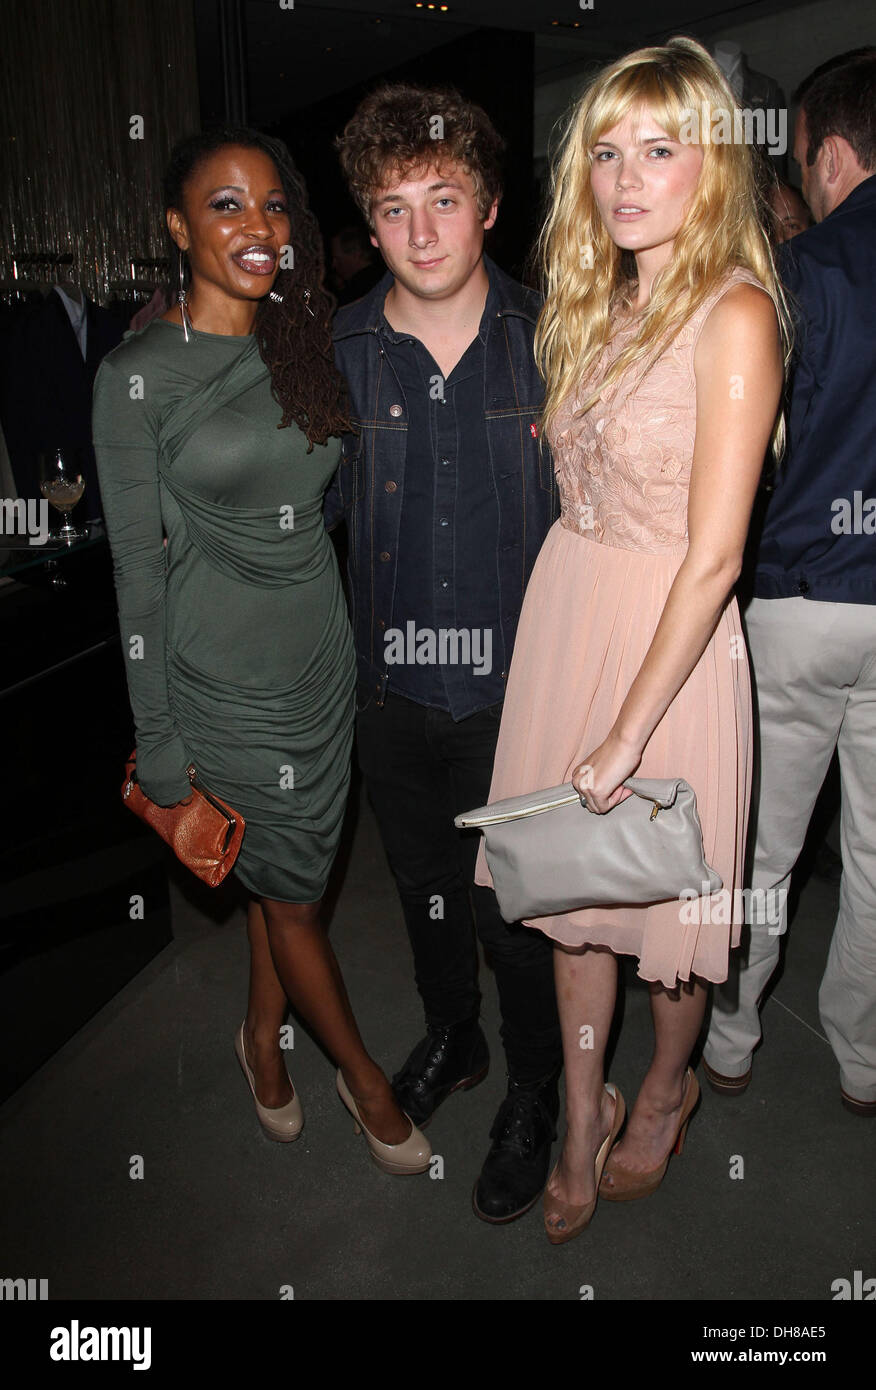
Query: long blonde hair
point(722, 228)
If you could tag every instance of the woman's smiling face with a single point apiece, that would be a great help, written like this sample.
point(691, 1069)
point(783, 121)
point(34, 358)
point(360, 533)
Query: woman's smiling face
point(234, 222)
point(643, 182)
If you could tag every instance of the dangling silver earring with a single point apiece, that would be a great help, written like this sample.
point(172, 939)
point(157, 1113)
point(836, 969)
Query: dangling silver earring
point(307, 304)
point(277, 298)
point(181, 299)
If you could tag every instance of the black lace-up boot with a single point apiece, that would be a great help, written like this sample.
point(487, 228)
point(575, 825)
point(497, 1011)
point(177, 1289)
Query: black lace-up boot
point(515, 1170)
point(449, 1059)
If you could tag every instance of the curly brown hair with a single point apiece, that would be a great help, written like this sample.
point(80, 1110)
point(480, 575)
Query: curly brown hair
point(400, 128)
point(294, 333)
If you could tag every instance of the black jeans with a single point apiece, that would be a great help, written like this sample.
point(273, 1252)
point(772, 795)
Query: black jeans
point(421, 769)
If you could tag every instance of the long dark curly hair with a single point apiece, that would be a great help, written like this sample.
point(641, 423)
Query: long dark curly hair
point(296, 348)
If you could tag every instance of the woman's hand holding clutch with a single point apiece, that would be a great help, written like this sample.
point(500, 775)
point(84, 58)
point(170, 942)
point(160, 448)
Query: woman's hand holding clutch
point(161, 771)
point(598, 779)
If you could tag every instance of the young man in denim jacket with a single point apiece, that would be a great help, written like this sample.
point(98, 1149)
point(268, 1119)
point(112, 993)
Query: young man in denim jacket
point(448, 492)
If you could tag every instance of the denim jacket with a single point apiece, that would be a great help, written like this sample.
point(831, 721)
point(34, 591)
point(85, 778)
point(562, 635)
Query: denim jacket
point(368, 488)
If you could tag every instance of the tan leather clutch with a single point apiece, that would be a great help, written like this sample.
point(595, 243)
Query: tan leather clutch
point(205, 833)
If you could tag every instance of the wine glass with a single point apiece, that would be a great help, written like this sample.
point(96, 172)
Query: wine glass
point(62, 484)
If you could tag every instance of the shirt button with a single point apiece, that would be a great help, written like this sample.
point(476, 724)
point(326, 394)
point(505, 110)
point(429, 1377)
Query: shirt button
point(445, 462)
point(381, 622)
point(384, 554)
point(395, 411)
point(443, 520)
point(803, 586)
point(444, 583)
point(390, 486)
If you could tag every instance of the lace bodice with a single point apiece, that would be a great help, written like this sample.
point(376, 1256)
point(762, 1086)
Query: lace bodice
point(623, 469)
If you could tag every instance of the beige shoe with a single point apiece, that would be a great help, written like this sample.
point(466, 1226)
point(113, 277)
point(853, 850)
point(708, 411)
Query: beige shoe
point(620, 1185)
point(576, 1219)
point(287, 1121)
point(411, 1156)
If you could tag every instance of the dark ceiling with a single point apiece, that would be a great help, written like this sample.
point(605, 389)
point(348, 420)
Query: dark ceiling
point(302, 51)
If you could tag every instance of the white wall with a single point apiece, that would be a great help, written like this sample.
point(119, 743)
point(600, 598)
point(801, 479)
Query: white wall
point(786, 46)
point(789, 45)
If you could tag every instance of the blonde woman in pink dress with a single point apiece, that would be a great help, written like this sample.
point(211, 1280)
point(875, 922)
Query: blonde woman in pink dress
point(663, 341)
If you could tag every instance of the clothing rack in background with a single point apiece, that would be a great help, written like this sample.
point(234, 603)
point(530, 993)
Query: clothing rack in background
point(53, 337)
point(34, 274)
point(148, 274)
point(27, 281)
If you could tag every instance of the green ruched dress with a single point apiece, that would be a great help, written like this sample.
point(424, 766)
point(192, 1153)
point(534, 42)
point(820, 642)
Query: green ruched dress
point(236, 638)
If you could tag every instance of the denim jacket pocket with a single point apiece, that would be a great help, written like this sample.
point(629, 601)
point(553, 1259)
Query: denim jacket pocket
point(351, 472)
point(352, 469)
point(547, 473)
point(365, 696)
point(521, 428)
point(512, 406)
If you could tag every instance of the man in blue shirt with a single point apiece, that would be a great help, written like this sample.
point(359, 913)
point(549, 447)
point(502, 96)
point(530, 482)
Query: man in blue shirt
point(812, 622)
point(448, 494)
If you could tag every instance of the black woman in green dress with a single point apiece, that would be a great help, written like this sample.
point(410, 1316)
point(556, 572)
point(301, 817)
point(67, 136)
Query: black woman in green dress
point(216, 431)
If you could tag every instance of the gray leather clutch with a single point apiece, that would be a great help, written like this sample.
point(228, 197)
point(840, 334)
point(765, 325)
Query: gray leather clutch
point(547, 853)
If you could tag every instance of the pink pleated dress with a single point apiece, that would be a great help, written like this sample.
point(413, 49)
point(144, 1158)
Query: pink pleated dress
point(590, 611)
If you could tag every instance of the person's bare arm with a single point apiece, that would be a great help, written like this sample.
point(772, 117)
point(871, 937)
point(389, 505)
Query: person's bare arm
point(738, 369)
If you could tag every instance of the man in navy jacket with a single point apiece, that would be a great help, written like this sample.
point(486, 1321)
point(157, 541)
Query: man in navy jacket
point(812, 622)
point(448, 492)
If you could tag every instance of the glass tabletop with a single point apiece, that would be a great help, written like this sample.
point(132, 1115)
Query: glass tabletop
point(17, 553)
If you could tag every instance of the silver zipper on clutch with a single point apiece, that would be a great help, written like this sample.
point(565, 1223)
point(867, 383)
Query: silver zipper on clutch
point(232, 820)
point(540, 810)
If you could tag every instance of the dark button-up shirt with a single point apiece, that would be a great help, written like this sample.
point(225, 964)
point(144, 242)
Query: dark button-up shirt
point(445, 632)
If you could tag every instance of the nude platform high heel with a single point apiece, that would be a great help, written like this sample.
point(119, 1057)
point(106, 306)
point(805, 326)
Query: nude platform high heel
point(576, 1218)
point(286, 1122)
point(620, 1186)
point(412, 1155)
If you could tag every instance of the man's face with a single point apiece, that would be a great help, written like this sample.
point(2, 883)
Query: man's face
point(429, 231)
point(813, 177)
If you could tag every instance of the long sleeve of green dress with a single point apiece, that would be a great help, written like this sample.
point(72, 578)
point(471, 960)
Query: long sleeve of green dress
point(126, 447)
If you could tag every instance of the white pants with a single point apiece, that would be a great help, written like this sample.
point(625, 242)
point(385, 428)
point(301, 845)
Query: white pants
point(814, 667)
